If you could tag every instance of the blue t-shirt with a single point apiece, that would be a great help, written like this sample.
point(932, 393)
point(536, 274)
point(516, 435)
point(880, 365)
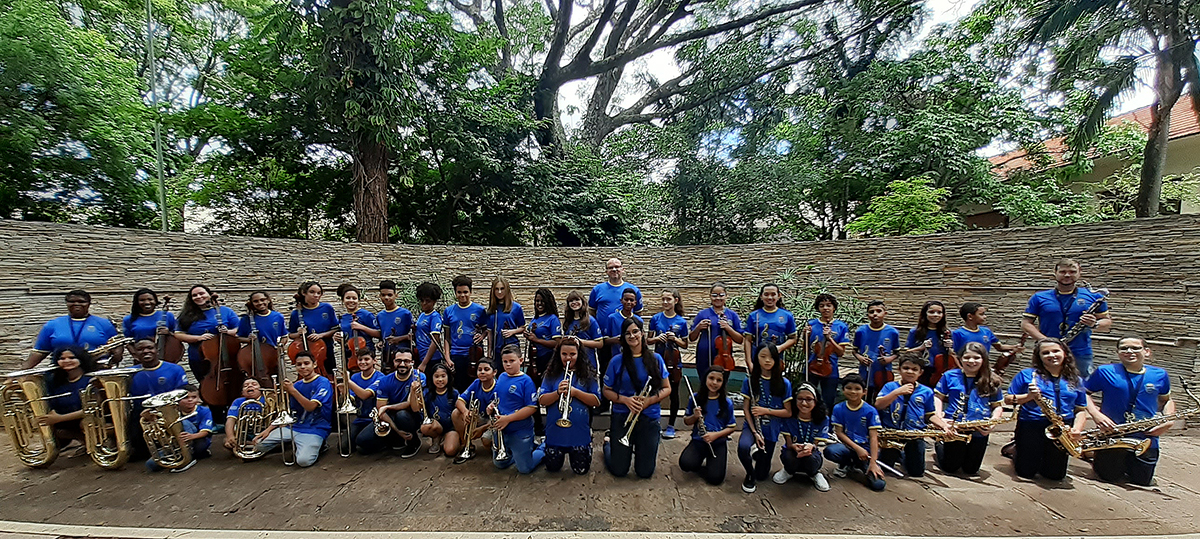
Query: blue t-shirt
point(500, 321)
point(146, 326)
point(365, 405)
point(907, 412)
point(592, 333)
point(1068, 398)
point(440, 406)
point(270, 326)
point(545, 327)
point(365, 318)
point(938, 349)
point(428, 328)
point(161, 379)
point(606, 298)
point(856, 423)
point(956, 386)
point(318, 319)
point(841, 335)
point(475, 392)
point(461, 323)
point(394, 323)
point(70, 401)
point(237, 403)
point(89, 333)
point(661, 323)
point(392, 390)
point(619, 381)
point(1057, 313)
point(713, 420)
point(771, 426)
point(867, 341)
point(613, 329)
point(806, 432)
point(1116, 384)
point(319, 421)
point(770, 327)
point(514, 393)
point(706, 341)
point(202, 420)
point(579, 434)
point(208, 324)
point(982, 335)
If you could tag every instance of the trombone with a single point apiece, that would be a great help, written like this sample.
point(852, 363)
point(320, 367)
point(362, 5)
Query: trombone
point(284, 419)
point(346, 412)
point(631, 422)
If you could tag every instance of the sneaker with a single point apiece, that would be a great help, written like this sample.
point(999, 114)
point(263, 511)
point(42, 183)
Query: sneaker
point(842, 471)
point(539, 440)
point(459, 459)
point(748, 485)
point(411, 449)
point(669, 433)
point(781, 477)
point(820, 482)
point(435, 446)
point(185, 467)
point(1009, 450)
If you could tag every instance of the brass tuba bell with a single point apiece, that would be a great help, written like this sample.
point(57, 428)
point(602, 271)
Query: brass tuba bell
point(106, 417)
point(23, 400)
point(161, 427)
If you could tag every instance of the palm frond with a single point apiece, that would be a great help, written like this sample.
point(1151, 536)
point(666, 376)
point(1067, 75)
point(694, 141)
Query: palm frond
point(1112, 79)
point(1054, 17)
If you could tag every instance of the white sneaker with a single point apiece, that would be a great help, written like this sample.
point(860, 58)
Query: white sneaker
point(842, 471)
point(820, 482)
point(185, 468)
point(781, 477)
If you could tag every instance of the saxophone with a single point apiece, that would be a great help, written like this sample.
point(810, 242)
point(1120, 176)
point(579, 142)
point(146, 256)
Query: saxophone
point(23, 399)
point(1078, 328)
point(161, 427)
point(1096, 439)
point(1061, 434)
point(980, 424)
point(897, 438)
point(106, 417)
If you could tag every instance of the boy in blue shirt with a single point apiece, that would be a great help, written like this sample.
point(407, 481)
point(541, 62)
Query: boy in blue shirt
point(311, 404)
point(197, 429)
point(856, 425)
point(459, 322)
point(908, 405)
point(973, 329)
point(1133, 391)
point(513, 410)
point(875, 347)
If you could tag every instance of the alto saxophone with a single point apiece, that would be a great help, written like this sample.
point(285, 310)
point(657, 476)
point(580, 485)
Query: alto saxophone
point(1061, 434)
point(980, 424)
point(1097, 439)
point(896, 438)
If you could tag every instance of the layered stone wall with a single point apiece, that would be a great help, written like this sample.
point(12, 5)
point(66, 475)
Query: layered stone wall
point(1147, 264)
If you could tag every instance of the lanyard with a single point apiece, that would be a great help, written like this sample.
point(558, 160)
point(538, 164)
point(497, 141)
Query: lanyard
point(1133, 393)
point(76, 335)
point(1066, 309)
point(904, 412)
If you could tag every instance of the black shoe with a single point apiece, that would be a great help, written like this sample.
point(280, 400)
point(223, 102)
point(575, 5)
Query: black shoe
point(1009, 450)
point(748, 485)
point(411, 449)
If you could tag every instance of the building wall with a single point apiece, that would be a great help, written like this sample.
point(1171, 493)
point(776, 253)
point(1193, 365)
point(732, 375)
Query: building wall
point(1147, 264)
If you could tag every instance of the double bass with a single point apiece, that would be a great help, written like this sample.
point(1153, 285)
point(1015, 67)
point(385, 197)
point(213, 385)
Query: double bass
point(222, 384)
point(167, 347)
point(255, 360)
point(317, 348)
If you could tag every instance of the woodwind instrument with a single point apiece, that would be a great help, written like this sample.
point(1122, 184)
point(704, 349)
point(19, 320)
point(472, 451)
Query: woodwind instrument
point(897, 438)
point(701, 428)
point(1069, 335)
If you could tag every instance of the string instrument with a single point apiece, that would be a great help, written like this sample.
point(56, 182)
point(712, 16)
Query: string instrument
point(476, 351)
point(822, 365)
point(168, 348)
point(317, 348)
point(255, 360)
point(673, 359)
point(1008, 357)
point(531, 351)
point(723, 348)
point(355, 343)
point(387, 365)
point(219, 387)
point(881, 375)
point(942, 362)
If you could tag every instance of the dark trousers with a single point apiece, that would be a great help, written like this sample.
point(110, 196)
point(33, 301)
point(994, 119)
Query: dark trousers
point(581, 458)
point(644, 451)
point(827, 386)
point(913, 456)
point(674, 401)
point(697, 457)
point(463, 373)
point(1037, 454)
point(758, 465)
point(965, 456)
point(842, 455)
point(603, 356)
point(539, 371)
point(406, 421)
point(808, 466)
point(1112, 465)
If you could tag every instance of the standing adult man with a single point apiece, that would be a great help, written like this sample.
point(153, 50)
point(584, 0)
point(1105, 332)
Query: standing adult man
point(605, 299)
point(1052, 313)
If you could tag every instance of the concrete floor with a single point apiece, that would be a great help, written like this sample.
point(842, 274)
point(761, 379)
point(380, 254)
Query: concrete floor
point(428, 493)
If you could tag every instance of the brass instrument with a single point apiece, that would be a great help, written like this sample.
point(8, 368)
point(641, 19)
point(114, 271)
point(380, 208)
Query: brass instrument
point(1069, 335)
point(382, 428)
point(23, 400)
point(346, 412)
point(106, 417)
point(253, 417)
point(564, 401)
point(631, 421)
point(1061, 434)
point(284, 417)
point(1096, 439)
point(420, 405)
point(498, 434)
point(896, 438)
point(116, 342)
point(161, 427)
point(980, 424)
point(472, 421)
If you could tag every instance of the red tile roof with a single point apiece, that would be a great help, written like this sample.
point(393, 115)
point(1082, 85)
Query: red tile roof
point(1183, 124)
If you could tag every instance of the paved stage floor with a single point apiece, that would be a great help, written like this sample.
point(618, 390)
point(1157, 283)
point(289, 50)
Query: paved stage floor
point(428, 493)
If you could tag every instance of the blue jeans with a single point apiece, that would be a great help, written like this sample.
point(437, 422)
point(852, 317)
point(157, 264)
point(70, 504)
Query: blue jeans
point(759, 464)
point(844, 456)
point(520, 451)
point(308, 446)
point(366, 442)
point(1084, 364)
point(644, 451)
point(199, 446)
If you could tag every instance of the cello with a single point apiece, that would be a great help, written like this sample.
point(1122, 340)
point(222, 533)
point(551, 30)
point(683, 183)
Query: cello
point(218, 388)
point(167, 347)
point(254, 360)
point(302, 344)
point(821, 366)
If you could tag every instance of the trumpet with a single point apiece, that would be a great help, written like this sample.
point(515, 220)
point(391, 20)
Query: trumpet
point(468, 451)
point(497, 434)
point(631, 422)
point(382, 427)
point(564, 401)
point(420, 404)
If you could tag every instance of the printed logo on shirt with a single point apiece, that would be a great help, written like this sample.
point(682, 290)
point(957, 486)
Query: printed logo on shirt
point(1151, 389)
point(91, 327)
point(512, 390)
point(324, 316)
point(1082, 301)
point(863, 421)
point(779, 319)
point(162, 380)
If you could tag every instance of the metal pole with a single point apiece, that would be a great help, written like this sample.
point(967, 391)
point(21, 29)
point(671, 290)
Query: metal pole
point(153, 76)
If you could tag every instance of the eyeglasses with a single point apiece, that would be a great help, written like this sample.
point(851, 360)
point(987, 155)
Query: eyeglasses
point(1130, 349)
point(806, 399)
point(614, 268)
point(718, 295)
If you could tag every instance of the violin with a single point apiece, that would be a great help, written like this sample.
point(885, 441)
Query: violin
point(168, 347)
point(882, 375)
point(723, 347)
point(221, 385)
point(1008, 357)
point(255, 360)
point(942, 362)
point(355, 343)
point(673, 359)
point(317, 348)
point(821, 366)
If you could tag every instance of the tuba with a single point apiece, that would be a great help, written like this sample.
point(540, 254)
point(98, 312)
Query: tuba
point(253, 417)
point(162, 425)
point(106, 417)
point(23, 400)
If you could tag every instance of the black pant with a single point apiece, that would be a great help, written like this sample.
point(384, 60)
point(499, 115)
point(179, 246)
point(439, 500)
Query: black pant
point(809, 466)
point(696, 457)
point(581, 458)
point(1112, 465)
point(674, 401)
point(644, 453)
point(603, 356)
point(757, 465)
point(913, 455)
point(1037, 454)
point(463, 373)
point(966, 456)
point(539, 371)
point(406, 421)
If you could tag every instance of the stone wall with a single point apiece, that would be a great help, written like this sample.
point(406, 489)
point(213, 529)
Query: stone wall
point(1147, 264)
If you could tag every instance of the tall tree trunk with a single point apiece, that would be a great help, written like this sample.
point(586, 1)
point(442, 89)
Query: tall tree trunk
point(370, 190)
point(596, 123)
point(1168, 87)
point(550, 135)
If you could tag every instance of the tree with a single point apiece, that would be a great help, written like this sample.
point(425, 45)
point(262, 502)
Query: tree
point(910, 207)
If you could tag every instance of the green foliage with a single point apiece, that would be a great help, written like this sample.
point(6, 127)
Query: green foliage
point(910, 207)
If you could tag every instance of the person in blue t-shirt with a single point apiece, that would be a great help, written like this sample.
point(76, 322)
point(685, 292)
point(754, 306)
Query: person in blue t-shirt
point(974, 329)
point(1132, 391)
point(544, 333)
point(605, 299)
point(251, 393)
point(395, 325)
point(769, 322)
point(197, 422)
point(427, 330)
point(766, 398)
point(459, 329)
point(145, 320)
point(612, 328)
point(440, 400)
point(633, 372)
point(931, 338)
point(77, 328)
point(808, 426)
point(972, 393)
point(478, 396)
point(66, 383)
point(715, 321)
point(261, 322)
point(356, 322)
point(318, 318)
point(906, 404)
point(360, 384)
point(396, 404)
point(311, 403)
point(156, 377)
point(712, 409)
point(583, 326)
point(573, 440)
point(1053, 378)
point(668, 332)
point(825, 331)
point(856, 425)
point(202, 319)
point(876, 346)
point(504, 320)
point(1052, 313)
point(512, 414)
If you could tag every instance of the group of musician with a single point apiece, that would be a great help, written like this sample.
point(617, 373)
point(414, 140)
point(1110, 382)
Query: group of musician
point(460, 379)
